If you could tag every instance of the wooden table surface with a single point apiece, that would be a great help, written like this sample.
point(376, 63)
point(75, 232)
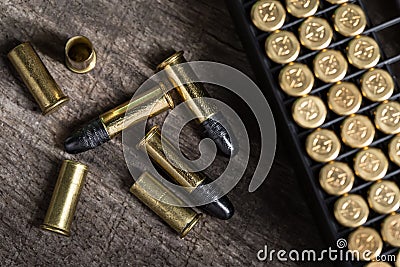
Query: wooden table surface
point(111, 226)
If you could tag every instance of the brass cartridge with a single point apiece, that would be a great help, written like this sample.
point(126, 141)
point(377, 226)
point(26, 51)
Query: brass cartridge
point(182, 78)
point(181, 219)
point(158, 151)
point(65, 198)
point(193, 182)
point(193, 93)
point(37, 78)
point(112, 122)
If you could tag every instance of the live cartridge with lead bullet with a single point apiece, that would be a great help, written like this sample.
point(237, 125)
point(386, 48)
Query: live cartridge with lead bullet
point(112, 122)
point(181, 219)
point(221, 208)
point(183, 78)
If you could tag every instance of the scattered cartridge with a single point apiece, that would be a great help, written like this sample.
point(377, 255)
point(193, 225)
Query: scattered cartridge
point(181, 219)
point(194, 181)
point(65, 198)
point(37, 78)
point(112, 122)
point(214, 123)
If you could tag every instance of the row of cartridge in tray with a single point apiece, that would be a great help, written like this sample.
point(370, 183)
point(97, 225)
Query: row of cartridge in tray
point(81, 58)
point(344, 99)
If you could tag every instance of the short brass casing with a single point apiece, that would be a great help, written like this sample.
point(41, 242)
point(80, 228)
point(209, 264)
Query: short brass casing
point(65, 198)
point(158, 151)
point(181, 219)
point(80, 56)
point(37, 78)
point(182, 78)
point(144, 106)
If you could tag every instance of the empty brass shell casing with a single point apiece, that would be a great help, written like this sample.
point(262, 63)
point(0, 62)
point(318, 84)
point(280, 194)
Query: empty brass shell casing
point(179, 171)
point(80, 56)
point(112, 122)
point(181, 219)
point(65, 198)
point(37, 78)
point(193, 94)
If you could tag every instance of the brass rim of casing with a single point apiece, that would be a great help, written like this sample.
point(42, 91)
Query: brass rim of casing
point(333, 191)
point(172, 60)
point(321, 116)
point(191, 225)
point(278, 23)
point(389, 89)
point(372, 232)
point(348, 223)
point(335, 2)
point(50, 109)
point(167, 95)
point(382, 127)
point(316, 45)
point(342, 63)
point(292, 55)
point(385, 232)
point(378, 208)
point(360, 63)
point(343, 30)
point(300, 13)
point(351, 142)
point(55, 229)
point(154, 130)
point(92, 58)
point(342, 111)
point(381, 156)
point(330, 134)
point(291, 91)
point(392, 150)
point(76, 164)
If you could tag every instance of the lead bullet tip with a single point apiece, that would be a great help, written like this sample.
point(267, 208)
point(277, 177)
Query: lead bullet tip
point(90, 136)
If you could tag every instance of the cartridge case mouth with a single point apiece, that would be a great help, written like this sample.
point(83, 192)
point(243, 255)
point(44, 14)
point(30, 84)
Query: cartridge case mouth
point(191, 225)
point(167, 95)
point(50, 109)
point(37, 78)
point(176, 58)
point(154, 130)
point(55, 229)
point(80, 56)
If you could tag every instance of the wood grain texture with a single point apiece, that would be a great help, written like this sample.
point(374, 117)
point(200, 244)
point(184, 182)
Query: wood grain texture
point(111, 227)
